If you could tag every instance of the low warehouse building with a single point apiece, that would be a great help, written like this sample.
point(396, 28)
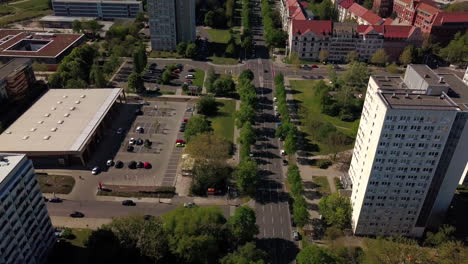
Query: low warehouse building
point(63, 127)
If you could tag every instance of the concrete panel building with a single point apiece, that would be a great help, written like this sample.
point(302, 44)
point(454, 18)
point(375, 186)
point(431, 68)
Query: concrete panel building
point(16, 79)
point(410, 152)
point(63, 127)
point(101, 9)
point(25, 228)
point(171, 22)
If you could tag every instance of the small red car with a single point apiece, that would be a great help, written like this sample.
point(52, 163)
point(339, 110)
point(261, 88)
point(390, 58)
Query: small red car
point(314, 66)
point(185, 120)
point(147, 165)
point(176, 71)
point(180, 141)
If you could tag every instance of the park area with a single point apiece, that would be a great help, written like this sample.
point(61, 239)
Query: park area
point(55, 183)
point(223, 122)
point(23, 10)
point(307, 97)
point(219, 39)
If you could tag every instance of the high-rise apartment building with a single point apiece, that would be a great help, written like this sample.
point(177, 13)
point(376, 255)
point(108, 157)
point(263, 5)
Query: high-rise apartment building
point(16, 79)
point(410, 152)
point(25, 229)
point(171, 22)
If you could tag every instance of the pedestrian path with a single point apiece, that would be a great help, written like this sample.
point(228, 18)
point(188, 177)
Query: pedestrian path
point(89, 223)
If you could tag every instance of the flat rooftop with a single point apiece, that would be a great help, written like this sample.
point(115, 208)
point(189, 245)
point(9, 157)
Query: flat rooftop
point(51, 18)
point(7, 163)
point(62, 120)
point(22, 43)
point(12, 66)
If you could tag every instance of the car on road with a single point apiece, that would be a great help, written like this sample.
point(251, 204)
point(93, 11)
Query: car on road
point(153, 66)
point(130, 148)
point(179, 145)
point(275, 99)
point(139, 141)
point(314, 66)
point(132, 141)
point(296, 236)
point(285, 162)
point(147, 165)
point(128, 203)
point(119, 164)
point(140, 130)
point(148, 142)
point(132, 165)
point(191, 70)
point(119, 131)
point(180, 141)
point(55, 200)
point(190, 76)
point(176, 71)
point(95, 170)
point(189, 205)
point(283, 153)
point(77, 214)
point(110, 163)
point(139, 164)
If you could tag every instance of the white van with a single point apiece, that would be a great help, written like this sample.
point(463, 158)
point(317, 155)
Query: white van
point(190, 76)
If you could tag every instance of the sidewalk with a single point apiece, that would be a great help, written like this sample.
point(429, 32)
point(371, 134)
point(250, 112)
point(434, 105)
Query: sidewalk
point(90, 223)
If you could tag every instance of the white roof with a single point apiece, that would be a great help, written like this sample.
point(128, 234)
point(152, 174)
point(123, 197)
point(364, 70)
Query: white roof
point(7, 163)
point(62, 120)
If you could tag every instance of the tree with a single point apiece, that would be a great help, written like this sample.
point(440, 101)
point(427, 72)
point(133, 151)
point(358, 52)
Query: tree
point(223, 86)
point(457, 50)
point(379, 57)
point(300, 213)
point(196, 235)
point(96, 76)
point(247, 254)
point(140, 17)
point(77, 26)
point(208, 146)
point(336, 210)
point(191, 51)
point(407, 56)
point(295, 60)
point(207, 105)
point(246, 175)
point(209, 174)
point(166, 77)
point(181, 48)
point(135, 82)
point(93, 26)
point(247, 134)
point(394, 250)
point(242, 225)
point(231, 50)
point(452, 252)
point(456, 7)
point(444, 235)
point(210, 18)
point(140, 59)
point(210, 79)
point(76, 83)
point(352, 56)
point(196, 125)
point(323, 55)
point(368, 4)
point(357, 75)
point(393, 68)
point(246, 113)
point(313, 254)
point(104, 240)
point(247, 75)
point(336, 141)
point(290, 143)
point(111, 64)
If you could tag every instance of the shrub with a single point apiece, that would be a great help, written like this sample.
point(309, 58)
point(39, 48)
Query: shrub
point(323, 164)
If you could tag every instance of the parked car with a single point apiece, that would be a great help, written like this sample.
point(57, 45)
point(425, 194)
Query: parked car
point(148, 142)
point(285, 162)
point(77, 214)
point(139, 141)
point(95, 170)
point(190, 76)
point(130, 148)
point(180, 141)
point(55, 200)
point(275, 99)
point(140, 130)
point(147, 165)
point(139, 164)
point(180, 145)
point(119, 131)
point(176, 71)
point(189, 205)
point(110, 163)
point(191, 70)
point(132, 141)
point(128, 203)
point(314, 66)
point(186, 120)
point(283, 153)
point(179, 66)
point(296, 236)
point(119, 164)
point(132, 165)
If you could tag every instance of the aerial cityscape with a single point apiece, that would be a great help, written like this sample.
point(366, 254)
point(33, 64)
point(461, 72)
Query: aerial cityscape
point(234, 131)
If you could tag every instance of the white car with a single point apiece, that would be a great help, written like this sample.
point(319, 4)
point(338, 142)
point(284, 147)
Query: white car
point(276, 108)
point(110, 163)
point(132, 141)
point(275, 99)
point(95, 170)
point(189, 205)
point(283, 153)
point(140, 129)
point(190, 76)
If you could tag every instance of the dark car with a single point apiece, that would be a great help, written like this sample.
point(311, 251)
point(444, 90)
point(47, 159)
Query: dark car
point(140, 165)
point(148, 142)
point(130, 148)
point(191, 70)
point(55, 200)
point(139, 141)
point(119, 164)
point(182, 129)
point(153, 66)
point(285, 162)
point(77, 214)
point(128, 203)
point(138, 112)
point(132, 165)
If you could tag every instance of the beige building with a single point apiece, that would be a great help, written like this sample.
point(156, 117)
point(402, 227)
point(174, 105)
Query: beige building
point(63, 127)
point(16, 79)
point(410, 152)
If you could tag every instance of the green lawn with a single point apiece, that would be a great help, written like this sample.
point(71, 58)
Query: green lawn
point(223, 123)
point(218, 35)
point(23, 11)
point(222, 60)
point(55, 183)
point(322, 182)
point(199, 78)
point(306, 95)
point(165, 54)
point(81, 236)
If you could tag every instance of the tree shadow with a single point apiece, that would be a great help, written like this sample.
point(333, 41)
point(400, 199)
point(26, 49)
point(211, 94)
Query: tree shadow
point(312, 206)
point(279, 250)
point(312, 195)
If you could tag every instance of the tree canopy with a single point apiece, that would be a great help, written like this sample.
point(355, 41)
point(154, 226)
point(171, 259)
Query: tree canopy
point(313, 254)
point(242, 225)
point(196, 125)
point(247, 254)
point(336, 210)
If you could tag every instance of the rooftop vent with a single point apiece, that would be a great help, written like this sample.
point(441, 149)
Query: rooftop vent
point(33, 129)
point(426, 75)
point(83, 96)
point(394, 95)
point(72, 108)
point(47, 115)
point(419, 96)
point(77, 102)
point(25, 137)
point(53, 129)
point(8, 132)
point(66, 115)
point(441, 80)
point(65, 96)
point(40, 122)
point(46, 137)
point(407, 96)
point(60, 122)
point(442, 96)
point(59, 102)
point(53, 108)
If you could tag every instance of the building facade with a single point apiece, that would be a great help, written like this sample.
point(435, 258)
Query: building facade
point(26, 231)
point(16, 79)
point(348, 11)
point(410, 152)
point(171, 22)
point(101, 9)
point(383, 8)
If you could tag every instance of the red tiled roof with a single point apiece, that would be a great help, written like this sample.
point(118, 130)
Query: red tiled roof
point(304, 4)
point(428, 8)
point(357, 9)
point(318, 27)
point(59, 42)
point(372, 18)
point(346, 3)
point(388, 21)
point(296, 13)
point(451, 17)
point(389, 31)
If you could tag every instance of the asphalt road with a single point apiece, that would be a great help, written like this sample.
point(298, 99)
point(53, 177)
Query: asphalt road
point(272, 208)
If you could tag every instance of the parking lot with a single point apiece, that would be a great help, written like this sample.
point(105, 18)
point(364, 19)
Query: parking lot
point(160, 123)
